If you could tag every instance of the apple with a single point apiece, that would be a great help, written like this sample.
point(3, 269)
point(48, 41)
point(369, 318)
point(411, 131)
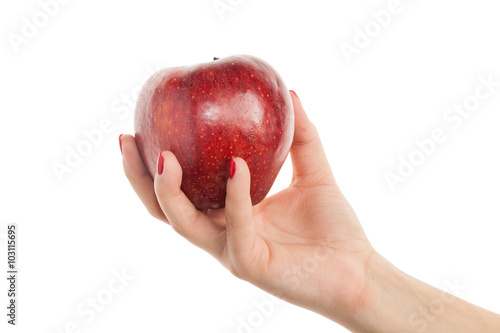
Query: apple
point(205, 114)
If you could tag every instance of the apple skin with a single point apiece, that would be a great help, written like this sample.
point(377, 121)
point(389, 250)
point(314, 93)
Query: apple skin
point(205, 114)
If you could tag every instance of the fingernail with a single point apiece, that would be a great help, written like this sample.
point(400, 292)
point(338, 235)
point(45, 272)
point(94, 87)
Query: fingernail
point(120, 139)
point(160, 163)
point(232, 168)
point(295, 94)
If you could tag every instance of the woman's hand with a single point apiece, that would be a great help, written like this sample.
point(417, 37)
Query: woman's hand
point(303, 244)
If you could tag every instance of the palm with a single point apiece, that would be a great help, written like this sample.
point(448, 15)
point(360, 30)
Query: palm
point(298, 241)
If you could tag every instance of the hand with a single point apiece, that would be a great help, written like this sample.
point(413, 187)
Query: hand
point(303, 244)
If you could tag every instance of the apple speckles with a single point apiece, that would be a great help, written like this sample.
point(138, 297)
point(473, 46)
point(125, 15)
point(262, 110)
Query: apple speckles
point(245, 110)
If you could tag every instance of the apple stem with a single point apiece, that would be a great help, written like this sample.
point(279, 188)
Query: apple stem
point(216, 58)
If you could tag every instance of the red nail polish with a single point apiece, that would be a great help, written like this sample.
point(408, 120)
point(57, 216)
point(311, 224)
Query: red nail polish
point(232, 168)
point(120, 139)
point(160, 163)
point(295, 94)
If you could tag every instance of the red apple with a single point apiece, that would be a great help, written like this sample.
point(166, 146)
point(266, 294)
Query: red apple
point(205, 114)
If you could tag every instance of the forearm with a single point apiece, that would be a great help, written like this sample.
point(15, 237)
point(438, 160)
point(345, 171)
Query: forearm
point(397, 302)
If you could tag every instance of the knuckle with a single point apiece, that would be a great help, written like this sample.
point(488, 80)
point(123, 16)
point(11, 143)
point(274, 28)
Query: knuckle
point(240, 269)
point(314, 129)
point(179, 229)
point(157, 214)
point(234, 270)
point(238, 272)
point(128, 174)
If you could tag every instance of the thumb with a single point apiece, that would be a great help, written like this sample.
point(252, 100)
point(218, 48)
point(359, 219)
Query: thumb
point(240, 228)
point(310, 164)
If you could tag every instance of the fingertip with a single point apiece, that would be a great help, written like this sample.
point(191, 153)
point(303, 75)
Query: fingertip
point(238, 200)
point(166, 160)
point(239, 165)
point(160, 163)
point(125, 140)
point(297, 103)
point(232, 168)
point(239, 177)
point(294, 95)
point(120, 141)
point(171, 163)
point(168, 173)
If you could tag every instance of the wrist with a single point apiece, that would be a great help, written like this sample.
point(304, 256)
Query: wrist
point(391, 298)
point(397, 302)
point(388, 300)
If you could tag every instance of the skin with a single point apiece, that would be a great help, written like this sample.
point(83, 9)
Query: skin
point(304, 244)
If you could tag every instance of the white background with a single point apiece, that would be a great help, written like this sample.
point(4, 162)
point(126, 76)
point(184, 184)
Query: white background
point(441, 225)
